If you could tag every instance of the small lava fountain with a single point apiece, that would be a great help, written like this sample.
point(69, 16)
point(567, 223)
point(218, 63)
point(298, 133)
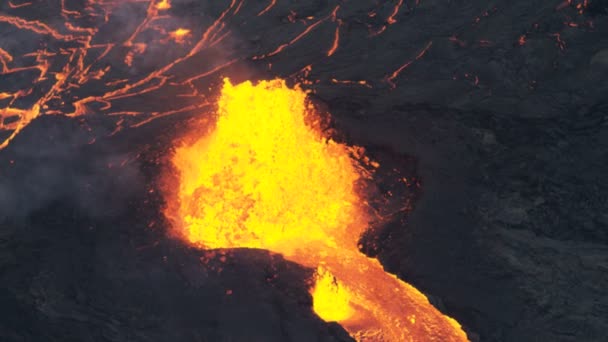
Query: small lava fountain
point(267, 177)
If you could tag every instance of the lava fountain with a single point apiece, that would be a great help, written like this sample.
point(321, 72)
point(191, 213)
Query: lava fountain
point(266, 177)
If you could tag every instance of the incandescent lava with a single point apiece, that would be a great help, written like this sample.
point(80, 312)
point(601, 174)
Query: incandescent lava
point(266, 178)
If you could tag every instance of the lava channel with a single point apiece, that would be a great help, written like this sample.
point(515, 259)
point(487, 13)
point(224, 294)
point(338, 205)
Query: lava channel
point(266, 177)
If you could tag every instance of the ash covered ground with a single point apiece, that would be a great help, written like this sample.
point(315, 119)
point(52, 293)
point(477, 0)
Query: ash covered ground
point(498, 108)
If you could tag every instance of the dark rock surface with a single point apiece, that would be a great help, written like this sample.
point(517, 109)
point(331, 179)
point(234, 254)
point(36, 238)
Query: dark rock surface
point(506, 113)
point(91, 260)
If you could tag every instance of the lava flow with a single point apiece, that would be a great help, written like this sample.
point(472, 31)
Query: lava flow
point(266, 177)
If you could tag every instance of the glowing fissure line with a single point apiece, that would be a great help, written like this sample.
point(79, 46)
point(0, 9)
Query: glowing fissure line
point(13, 6)
point(219, 39)
point(5, 58)
point(238, 8)
point(391, 18)
point(201, 44)
point(151, 12)
point(270, 6)
point(350, 82)
point(210, 72)
point(66, 12)
point(396, 73)
point(34, 26)
point(336, 42)
point(297, 38)
point(158, 115)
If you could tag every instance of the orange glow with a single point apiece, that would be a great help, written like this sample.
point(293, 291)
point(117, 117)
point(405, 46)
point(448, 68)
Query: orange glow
point(268, 8)
point(304, 33)
point(163, 5)
point(331, 299)
point(266, 178)
point(13, 6)
point(391, 18)
point(242, 186)
point(336, 43)
point(179, 35)
point(396, 73)
point(351, 82)
point(34, 26)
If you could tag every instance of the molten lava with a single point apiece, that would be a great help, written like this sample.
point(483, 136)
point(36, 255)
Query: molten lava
point(266, 178)
point(179, 35)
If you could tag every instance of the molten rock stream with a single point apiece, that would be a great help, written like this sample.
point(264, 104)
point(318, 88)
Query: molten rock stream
point(267, 178)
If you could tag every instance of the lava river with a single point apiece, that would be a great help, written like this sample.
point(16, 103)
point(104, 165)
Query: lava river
point(267, 177)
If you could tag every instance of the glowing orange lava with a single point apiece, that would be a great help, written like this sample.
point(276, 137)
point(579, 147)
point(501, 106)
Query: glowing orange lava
point(266, 178)
point(179, 35)
point(163, 5)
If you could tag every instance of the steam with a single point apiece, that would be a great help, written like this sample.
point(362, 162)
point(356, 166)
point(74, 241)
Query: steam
point(51, 162)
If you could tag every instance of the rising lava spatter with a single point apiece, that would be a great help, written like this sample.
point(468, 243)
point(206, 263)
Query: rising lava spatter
point(266, 178)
